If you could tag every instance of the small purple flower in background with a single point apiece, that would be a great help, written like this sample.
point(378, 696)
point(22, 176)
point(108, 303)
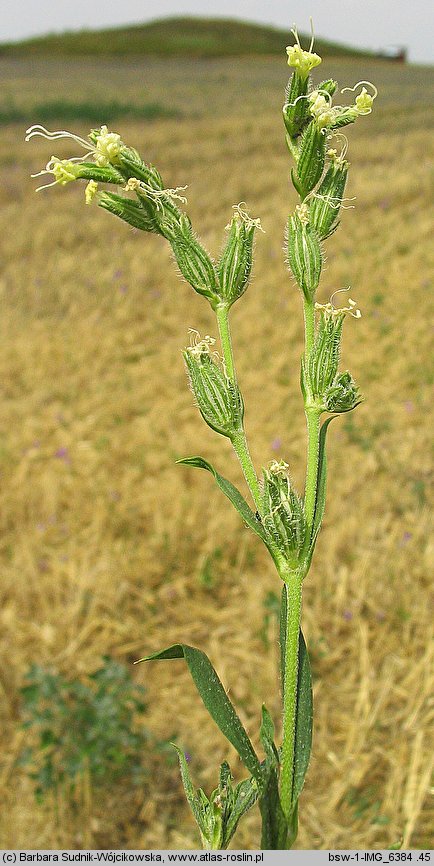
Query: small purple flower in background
point(405, 538)
point(123, 290)
point(409, 406)
point(62, 454)
point(187, 757)
point(276, 444)
point(117, 274)
point(347, 614)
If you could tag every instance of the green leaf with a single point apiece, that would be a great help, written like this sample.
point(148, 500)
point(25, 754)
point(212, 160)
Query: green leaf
point(190, 793)
point(304, 717)
point(245, 796)
point(266, 735)
point(320, 486)
point(304, 711)
point(274, 826)
point(215, 699)
point(234, 496)
point(292, 832)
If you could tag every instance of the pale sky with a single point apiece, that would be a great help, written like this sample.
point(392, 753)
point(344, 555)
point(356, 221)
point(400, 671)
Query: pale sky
point(365, 23)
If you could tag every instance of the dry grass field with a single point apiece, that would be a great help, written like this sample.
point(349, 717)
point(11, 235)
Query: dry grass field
point(108, 548)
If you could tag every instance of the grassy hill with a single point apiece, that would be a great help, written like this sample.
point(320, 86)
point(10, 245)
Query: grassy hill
point(197, 37)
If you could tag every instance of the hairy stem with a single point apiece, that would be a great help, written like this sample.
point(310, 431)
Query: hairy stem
point(290, 688)
point(313, 430)
point(309, 326)
point(313, 415)
point(239, 441)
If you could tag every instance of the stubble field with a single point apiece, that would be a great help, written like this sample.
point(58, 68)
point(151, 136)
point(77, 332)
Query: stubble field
point(108, 548)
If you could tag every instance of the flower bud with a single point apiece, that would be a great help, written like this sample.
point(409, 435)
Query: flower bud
point(99, 174)
point(219, 401)
point(311, 161)
point(296, 108)
point(322, 364)
point(304, 254)
point(326, 202)
point(329, 86)
point(343, 116)
point(128, 210)
point(235, 264)
point(329, 390)
point(193, 261)
point(343, 395)
point(283, 515)
point(132, 165)
point(158, 206)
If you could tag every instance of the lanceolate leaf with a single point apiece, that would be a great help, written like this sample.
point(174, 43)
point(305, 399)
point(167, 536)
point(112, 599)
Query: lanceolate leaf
point(246, 795)
point(190, 793)
point(233, 495)
point(303, 730)
point(215, 699)
point(321, 485)
point(266, 735)
point(304, 712)
point(292, 827)
point(274, 825)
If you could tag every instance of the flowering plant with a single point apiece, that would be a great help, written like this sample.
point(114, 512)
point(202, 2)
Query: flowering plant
point(286, 522)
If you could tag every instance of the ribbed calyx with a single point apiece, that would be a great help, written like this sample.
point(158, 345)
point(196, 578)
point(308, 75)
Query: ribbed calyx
point(325, 205)
point(304, 252)
point(283, 515)
point(219, 400)
point(322, 385)
point(235, 264)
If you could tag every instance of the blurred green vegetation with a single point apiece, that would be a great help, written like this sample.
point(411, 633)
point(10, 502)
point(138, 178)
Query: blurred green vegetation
point(191, 37)
point(91, 112)
point(77, 727)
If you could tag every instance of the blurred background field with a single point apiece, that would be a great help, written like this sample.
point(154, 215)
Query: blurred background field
point(110, 550)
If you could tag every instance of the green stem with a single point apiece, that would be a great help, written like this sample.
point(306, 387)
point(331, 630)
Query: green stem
point(309, 326)
point(313, 416)
point(222, 313)
point(241, 449)
point(290, 688)
point(239, 441)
